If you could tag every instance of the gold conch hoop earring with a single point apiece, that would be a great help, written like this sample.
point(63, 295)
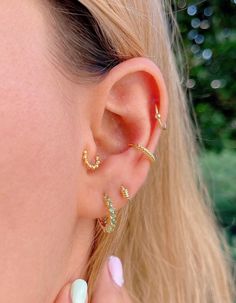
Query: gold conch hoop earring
point(152, 157)
point(88, 165)
point(108, 223)
point(158, 117)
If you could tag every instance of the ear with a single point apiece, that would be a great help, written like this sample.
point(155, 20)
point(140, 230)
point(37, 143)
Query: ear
point(122, 111)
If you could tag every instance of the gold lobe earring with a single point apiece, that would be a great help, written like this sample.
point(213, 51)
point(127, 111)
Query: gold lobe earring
point(88, 165)
point(158, 117)
point(108, 223)
point(125, 193)
point(152, 157)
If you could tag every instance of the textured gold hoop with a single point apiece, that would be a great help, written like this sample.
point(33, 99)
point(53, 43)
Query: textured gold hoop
point(125, 193)
point(158, 117)
point(89, 165)
point(146, 152)
point(108, 223)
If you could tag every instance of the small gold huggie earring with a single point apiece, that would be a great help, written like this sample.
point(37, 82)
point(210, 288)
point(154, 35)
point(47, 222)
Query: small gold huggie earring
point(125, 193)
point(152, 157)
point(89, 165)
point(108, 223)
point(158, 117)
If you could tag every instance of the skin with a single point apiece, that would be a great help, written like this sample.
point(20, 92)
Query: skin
point(48, 200)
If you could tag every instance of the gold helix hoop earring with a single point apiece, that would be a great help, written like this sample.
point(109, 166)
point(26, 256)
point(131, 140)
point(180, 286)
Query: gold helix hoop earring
point(88, 165)
point(125, 193)
point(152, 157)
point(108, 223)
point(158, 117)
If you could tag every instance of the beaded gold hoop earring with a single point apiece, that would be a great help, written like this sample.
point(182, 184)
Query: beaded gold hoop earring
point(88, 165)
point(108, 223)
point(152, 157)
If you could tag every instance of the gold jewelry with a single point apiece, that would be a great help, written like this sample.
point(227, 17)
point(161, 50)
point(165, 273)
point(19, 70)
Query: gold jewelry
point(158, 117)
point(89, 165)
point(146, 152)
point(124, 192)
point(108, 223)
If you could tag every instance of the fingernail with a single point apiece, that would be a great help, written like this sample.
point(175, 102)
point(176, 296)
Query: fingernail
point(116, 270)
point(78, 291)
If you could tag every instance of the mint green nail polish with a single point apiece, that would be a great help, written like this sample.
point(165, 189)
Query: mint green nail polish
point(78, 291)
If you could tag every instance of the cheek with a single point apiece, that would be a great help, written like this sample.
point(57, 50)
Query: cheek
point(37, 154)
point(38, 181)
point(37, 172)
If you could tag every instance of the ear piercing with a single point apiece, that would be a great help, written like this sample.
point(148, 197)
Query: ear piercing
point(144, 150)
point(158, 117)
point(108, 223)
point(139, 147)
point(125, 193)
point(88, 165)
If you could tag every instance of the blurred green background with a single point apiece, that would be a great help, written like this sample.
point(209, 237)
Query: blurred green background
point(208, 29)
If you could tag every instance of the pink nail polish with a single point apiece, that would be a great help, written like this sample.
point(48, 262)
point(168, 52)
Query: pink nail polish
point(116, 270)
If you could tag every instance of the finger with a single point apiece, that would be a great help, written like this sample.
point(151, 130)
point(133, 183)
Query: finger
point(79, 291)
point(73, 293)
point(63, 296)
point(110, 286)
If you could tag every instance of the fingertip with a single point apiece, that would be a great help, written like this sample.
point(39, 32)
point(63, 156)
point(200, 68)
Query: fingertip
point(110, 286)
point(78, 291)
point(116, 270)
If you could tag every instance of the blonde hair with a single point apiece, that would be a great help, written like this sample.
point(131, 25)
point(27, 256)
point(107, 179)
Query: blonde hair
point(168, 238)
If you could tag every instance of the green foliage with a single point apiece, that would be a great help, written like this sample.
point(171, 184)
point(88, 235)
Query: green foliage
point(208, 29)
point(220, 175)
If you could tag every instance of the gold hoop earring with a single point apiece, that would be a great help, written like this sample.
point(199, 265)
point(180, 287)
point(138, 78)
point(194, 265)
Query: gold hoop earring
point(125, 193)
point(158, 117)
point(108, 223)
point(88, 165)
point(152, 157)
